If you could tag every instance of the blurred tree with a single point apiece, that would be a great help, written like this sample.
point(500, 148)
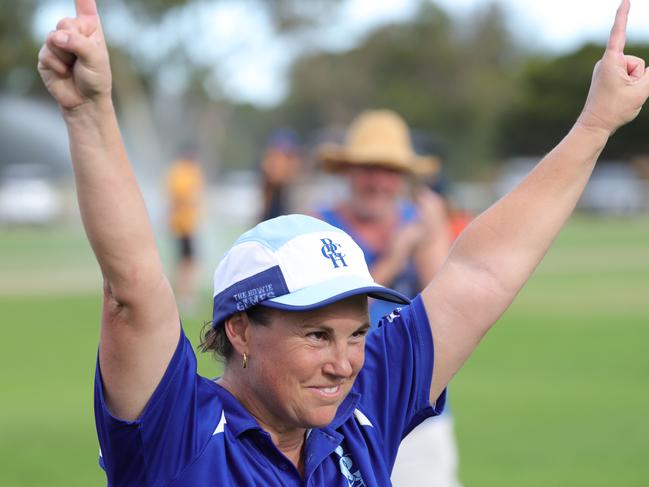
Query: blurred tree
point(445, 78)
point(18, 47)
point(552, 93)
point(139, 74)
point(462, 81)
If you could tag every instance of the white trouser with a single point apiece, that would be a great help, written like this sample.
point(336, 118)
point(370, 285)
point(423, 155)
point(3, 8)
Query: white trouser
point(428, 456)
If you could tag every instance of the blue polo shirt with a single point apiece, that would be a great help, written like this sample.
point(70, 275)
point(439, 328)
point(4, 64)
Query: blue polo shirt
point(194, 433)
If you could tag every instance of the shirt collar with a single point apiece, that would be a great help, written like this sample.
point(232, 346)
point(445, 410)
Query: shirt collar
point(237, 417)
point(345, 410)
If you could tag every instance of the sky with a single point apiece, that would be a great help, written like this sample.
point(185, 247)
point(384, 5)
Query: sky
point(564, 24)
point(252, 62)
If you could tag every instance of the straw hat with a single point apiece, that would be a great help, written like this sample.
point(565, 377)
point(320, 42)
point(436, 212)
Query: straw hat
point(377, 138)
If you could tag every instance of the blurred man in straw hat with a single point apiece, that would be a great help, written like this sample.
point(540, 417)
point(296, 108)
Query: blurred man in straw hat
point(401, 226)
point(405, 237)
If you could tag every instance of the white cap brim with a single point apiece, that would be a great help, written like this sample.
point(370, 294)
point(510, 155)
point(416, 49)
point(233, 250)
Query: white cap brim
point(333, 290)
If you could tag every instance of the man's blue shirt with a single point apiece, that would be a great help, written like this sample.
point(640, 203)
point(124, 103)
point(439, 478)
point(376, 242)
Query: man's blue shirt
point(194, 433)
point(407, 282)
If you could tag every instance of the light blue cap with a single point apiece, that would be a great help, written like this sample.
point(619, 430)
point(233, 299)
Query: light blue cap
point(293, 262)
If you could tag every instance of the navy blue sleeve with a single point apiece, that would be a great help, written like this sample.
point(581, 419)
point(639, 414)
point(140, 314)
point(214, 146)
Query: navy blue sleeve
point(167, 437)
point(395, 381)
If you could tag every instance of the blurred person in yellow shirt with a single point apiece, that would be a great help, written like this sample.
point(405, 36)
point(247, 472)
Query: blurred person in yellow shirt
point(185, 193)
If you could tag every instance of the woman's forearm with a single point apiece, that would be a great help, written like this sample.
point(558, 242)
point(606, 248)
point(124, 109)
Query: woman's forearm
point(112, 208)
point(511, 237)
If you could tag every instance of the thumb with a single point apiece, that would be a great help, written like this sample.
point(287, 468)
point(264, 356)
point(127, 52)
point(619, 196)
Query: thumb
point(635, 67)
point(75, 43)
point(86, 49)
point(643, 82)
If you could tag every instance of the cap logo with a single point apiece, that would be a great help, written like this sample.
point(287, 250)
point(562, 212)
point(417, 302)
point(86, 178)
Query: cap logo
point(330, 251)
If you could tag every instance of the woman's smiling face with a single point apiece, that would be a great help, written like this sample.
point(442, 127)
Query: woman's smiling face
point(303, 365)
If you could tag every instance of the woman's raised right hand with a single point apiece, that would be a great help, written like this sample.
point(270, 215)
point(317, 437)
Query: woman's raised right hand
point(73, 62)
point(620, 84)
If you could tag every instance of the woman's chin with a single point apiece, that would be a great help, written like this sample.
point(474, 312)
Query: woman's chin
point(321, 417)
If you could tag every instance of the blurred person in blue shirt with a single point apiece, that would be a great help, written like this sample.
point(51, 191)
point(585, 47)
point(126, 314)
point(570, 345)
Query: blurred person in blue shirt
point(280, 167)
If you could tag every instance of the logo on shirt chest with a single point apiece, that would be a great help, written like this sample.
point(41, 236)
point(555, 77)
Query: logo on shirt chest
point(351, 473)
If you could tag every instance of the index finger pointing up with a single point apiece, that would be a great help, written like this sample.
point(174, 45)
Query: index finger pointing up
point(85, 7)
point(617, 39)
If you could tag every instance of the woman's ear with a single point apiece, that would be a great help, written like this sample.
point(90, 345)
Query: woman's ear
point(237, 328)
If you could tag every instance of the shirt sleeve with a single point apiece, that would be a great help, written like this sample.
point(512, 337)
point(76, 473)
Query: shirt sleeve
point(168, 435)
point(395, 381)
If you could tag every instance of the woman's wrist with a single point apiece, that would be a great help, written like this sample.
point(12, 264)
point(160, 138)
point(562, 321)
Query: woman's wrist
point(589, 139)
point(92, 111)
point(590, 124)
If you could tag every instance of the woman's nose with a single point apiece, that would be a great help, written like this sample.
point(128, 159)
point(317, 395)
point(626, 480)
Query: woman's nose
point(339, 363)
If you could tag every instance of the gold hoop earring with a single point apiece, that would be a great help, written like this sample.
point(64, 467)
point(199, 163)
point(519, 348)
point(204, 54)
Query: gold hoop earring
point(245, 360)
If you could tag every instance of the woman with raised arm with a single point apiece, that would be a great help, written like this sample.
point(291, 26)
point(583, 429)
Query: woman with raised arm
point(306, 398)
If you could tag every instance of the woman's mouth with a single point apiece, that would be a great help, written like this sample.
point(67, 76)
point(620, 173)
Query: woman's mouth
point(330, 392)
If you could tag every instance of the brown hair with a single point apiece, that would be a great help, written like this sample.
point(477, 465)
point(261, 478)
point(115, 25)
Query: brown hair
point(215, 339)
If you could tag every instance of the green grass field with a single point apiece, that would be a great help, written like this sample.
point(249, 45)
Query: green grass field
point(557, 394)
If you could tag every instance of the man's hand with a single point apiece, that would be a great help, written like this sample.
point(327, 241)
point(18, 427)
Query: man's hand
point(433, 247)
point(73, 62)
point(620, 83)
point(432, 213)
point(404, 242)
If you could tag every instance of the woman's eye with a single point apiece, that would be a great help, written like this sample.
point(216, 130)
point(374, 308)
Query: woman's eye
point(360, 334)
point(318, 335)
